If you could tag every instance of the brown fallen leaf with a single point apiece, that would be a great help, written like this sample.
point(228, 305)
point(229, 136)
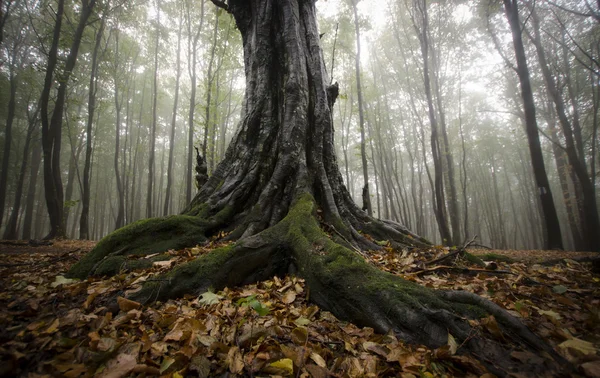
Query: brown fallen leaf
point(289, 297)
point(126, 305)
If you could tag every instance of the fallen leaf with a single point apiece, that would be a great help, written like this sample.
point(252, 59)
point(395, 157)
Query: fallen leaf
point(289, 297)
point(60, 280)
point(126, 304)
point(318, 359)
point(559, 289)
point(284, 364)
point(209, 298)
point(234, 360)
point(591, 369)
point(582, 346)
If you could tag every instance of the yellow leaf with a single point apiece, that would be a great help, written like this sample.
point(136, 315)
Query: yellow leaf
point(583, 346)
point(318, 359)
point(452, 343)
point(52, 327)
point(285, 364)
point(550, 314)
point(60, 280)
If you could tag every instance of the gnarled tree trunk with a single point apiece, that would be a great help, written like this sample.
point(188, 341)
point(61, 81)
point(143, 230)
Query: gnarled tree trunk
point(279, 189)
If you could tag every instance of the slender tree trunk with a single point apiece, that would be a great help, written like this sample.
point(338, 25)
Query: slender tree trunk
point(192, 53)
point(366, 196)
point(209, 83)
point(36, 157)
point(12, 104)
point(11, 231)
point(447, 153)
point(151, 152)
point(120, 219)
point(436, 150)
point(167, 204)
point(85, 196)
point(552, 226)
point(52, 128)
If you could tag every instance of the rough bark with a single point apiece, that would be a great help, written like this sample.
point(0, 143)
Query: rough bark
point(279, 189)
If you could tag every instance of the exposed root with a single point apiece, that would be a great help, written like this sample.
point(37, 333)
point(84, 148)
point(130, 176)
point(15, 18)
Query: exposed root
point(340, 281)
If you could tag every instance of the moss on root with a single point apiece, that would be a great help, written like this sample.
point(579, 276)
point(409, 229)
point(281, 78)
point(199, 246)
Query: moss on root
point(143, 237)
point(112, 265)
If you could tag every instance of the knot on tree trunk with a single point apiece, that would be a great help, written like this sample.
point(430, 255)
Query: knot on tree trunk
point(201, 170)
point(332, 94)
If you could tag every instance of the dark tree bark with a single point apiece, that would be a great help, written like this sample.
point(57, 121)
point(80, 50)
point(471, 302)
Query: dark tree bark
point(36, 158)
point(552, 226)
point(12, 105)
point(52, 122)
point(279, 188)
point(11, 231)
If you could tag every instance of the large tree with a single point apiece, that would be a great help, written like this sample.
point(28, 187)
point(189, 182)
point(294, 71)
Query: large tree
point(280, 194)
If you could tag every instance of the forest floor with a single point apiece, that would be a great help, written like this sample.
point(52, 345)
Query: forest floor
point(52, 326)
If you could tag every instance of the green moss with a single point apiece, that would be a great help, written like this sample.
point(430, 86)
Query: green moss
point(194, 277)
point(113, 265)
point(144, 237)
point(474, 259)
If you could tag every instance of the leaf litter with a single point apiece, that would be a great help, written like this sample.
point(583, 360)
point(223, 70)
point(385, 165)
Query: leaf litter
point(53, 326)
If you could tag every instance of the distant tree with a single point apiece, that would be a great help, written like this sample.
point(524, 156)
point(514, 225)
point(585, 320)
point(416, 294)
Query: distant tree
point(552, 226)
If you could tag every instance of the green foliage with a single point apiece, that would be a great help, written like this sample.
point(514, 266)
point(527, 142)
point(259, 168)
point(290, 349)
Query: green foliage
point(255, 304)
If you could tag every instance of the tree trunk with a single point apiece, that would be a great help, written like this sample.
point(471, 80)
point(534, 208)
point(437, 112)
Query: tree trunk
point(590, 221)
point(366, 196)
point(52, 125)
point(12, 104)
point(36, 158)
point(167, 204)
point(552, 226)
point(279, 187)
point(151, 152)
point(436, 150)
point(120, 219)
point(192, 52)
point(11, 231)
point(84, 232)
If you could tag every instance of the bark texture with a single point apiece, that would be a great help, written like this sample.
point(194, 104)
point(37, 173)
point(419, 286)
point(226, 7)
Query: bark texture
point(279, 189)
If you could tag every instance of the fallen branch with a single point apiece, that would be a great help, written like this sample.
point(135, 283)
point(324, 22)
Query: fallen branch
point(460, 270)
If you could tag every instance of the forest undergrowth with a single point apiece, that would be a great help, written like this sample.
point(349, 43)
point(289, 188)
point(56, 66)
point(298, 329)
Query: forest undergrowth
point(53, 326)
